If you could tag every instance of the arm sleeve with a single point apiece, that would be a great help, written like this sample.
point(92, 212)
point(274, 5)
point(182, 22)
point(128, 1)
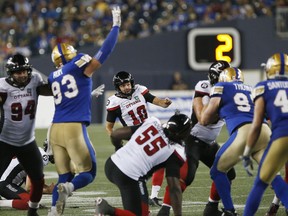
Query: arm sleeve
point(112, 115)
point(149, 97)
point(108, 45)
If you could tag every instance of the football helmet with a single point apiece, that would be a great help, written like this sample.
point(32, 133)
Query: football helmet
point(178, 127)
point(62, 53)
point(231, 74)
point(277, 66)
point(44, 155)
point(215, 69)
point(48, 150)
point(18, 63)
point(121, 78)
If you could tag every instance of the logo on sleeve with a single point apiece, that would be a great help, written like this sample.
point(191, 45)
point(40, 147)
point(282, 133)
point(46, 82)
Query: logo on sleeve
point(204, 85)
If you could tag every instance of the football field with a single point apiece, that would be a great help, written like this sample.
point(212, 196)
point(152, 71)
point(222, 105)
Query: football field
point(194, 198)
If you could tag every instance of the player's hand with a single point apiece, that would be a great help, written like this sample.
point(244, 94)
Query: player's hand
point(116, 14)
point(167, 102)
point(48, 189)
point(98, 91)
point(247, 164)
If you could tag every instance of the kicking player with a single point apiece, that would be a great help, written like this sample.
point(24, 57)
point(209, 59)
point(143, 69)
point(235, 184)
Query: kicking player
point(71, 84)
point(129, 105)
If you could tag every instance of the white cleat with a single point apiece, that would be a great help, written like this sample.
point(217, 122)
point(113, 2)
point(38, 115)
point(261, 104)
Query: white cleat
point(64, 191)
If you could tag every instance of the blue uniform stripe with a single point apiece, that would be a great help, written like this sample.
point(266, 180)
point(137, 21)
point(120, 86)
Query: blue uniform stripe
point(62, 55)
point(282, 67)
point(237, 73)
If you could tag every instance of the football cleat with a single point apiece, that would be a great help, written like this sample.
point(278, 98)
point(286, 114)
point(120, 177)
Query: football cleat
point(154, 201)
point(102, 207)
point(64, 191)
point(229, 213)
point(32, 212)
point(272, 211)
point(211, 209)
point(164, 211)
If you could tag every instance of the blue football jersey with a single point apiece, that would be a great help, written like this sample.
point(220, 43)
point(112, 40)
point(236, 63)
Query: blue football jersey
point(236, 106)
point(275, 95)
point(72, 89)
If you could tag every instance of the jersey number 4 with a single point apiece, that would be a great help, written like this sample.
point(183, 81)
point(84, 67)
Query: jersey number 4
point(17, 110)
point(151, 140)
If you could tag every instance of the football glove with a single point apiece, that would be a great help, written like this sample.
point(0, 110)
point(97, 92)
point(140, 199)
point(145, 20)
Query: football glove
point(116, 14)
point(247, 164)
point(98, 91)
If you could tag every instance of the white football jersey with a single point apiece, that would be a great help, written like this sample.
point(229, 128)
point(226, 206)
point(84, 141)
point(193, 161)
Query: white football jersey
point(133, 111)
point(14, 172)
point(18, 109)
point(210, 132)
point(147, 148)
point(203, 86)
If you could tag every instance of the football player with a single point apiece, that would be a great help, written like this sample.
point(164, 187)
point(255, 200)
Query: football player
point(201, 143)
point(129, 105)
point(11, 184)
point(71, 84)
point(19, 93)
point(270, 97)
point(231, 101)
point(154, 146)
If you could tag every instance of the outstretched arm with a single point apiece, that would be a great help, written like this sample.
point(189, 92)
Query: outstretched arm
point(102, 55)
point(162, 102)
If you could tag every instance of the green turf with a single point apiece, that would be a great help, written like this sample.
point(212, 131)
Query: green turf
point(194, 198)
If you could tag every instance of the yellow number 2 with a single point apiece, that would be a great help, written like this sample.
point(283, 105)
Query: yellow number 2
point(227, 47)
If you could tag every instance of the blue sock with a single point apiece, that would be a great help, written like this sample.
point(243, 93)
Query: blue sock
point(255, 196)
point(84, 178)
point(67, 177)
point(223, 187)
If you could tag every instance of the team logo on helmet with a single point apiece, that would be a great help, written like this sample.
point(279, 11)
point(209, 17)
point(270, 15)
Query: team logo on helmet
point(277, 66)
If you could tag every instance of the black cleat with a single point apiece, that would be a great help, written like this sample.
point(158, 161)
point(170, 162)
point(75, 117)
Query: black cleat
point(229, 213)
point(154, 201)
point(272, 211)
point(211, 209)
point(32, 212)
point(164, 211)
point(103, 207)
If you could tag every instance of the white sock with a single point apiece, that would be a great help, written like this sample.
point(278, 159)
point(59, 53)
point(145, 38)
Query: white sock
point(276, 200)
point(71, 187)
point(155, 191)
point(6, 203)
point(213, 201)
point(34, 205)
